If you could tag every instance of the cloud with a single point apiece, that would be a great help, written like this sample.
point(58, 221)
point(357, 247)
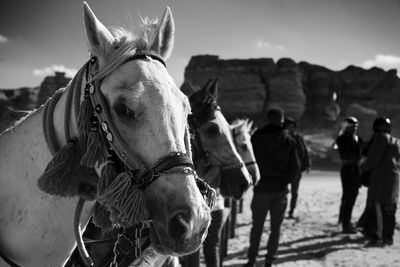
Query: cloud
point(265, 44)
point(49, 71)
point(385, 62)
point(3, 39)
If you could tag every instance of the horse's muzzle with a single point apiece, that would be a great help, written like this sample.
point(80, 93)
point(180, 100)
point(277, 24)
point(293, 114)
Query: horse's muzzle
point(234, 182)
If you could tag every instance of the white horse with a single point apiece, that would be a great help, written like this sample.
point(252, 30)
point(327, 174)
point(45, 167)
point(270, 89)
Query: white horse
point(144, 119)
point(242, 130)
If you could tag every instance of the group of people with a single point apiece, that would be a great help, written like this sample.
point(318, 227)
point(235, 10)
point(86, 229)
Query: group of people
point(373, 164)
point(282, 156)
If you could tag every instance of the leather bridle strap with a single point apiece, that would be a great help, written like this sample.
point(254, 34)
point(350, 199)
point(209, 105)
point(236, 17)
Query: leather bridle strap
point(249, 163)
point(176, 159)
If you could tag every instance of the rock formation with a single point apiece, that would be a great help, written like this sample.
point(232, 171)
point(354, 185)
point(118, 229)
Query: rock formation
point(50, 85)
point(315, 95)
point(13, 102)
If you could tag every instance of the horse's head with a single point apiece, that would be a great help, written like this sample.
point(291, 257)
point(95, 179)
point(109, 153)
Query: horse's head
point(242, 131)
point(148, 124)
point(215, 143)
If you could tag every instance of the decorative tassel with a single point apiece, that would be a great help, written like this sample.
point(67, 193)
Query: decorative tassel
point(60, 176)
point(85, 112)
point(96, 150)
point(124, 200)
point(107, 175)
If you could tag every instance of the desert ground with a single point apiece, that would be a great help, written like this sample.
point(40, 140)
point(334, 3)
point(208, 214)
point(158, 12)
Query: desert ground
point(315, 238)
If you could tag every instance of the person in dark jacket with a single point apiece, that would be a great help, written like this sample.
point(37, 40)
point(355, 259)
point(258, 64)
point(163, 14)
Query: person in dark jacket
point(305, 162)
point(367, 221)
point(350, 146)
point(382, 163)
point(275, 152)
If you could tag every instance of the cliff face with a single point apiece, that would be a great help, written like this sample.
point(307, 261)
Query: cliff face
point(241, 83)
point(50, 85)
point(313, 94)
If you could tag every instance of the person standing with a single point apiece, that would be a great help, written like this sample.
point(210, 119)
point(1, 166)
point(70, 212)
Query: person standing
point(275, 152)
point(382, 163)
point(350, 146)
point(305, 162)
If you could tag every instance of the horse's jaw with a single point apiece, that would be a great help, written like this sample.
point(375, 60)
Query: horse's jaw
point(179, 213)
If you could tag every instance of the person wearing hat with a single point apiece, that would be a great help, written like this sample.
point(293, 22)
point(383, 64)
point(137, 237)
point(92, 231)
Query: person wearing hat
point(349, 145)
point(383, 189)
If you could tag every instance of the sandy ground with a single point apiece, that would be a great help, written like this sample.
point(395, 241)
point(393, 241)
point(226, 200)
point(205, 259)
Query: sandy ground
point(315, 238)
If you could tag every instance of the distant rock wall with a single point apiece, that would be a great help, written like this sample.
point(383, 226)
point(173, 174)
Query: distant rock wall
point(313, 94)
point(241, 83)
point(50, 85)
point(13, 101)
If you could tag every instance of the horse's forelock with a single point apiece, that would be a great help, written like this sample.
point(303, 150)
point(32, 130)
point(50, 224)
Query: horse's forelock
point(125, 45)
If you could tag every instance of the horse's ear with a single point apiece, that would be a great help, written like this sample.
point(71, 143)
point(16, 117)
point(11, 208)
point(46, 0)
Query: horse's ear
point(98, 36)
point(253, 130)
point(164, 35)
point(249, 124)
point(212, 88)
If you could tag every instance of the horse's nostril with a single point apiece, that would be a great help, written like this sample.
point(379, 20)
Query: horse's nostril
point(179, 226)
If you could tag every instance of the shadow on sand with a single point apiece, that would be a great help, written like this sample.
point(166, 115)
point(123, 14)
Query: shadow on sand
point(314, 247)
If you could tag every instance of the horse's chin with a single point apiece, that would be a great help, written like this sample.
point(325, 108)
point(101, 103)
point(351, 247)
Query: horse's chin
point(168, 247)
point(157, 244)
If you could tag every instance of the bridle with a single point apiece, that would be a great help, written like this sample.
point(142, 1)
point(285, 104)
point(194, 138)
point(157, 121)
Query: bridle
point(116, 144)
point(176, 162)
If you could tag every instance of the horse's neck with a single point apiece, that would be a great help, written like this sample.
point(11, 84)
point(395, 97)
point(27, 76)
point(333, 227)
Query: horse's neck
point(35, 227)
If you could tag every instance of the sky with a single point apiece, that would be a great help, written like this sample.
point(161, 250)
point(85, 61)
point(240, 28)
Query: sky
point(40, 36)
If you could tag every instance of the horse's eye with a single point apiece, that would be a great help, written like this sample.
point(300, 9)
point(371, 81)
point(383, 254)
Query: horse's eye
point(212, 130)
point(124, 111)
